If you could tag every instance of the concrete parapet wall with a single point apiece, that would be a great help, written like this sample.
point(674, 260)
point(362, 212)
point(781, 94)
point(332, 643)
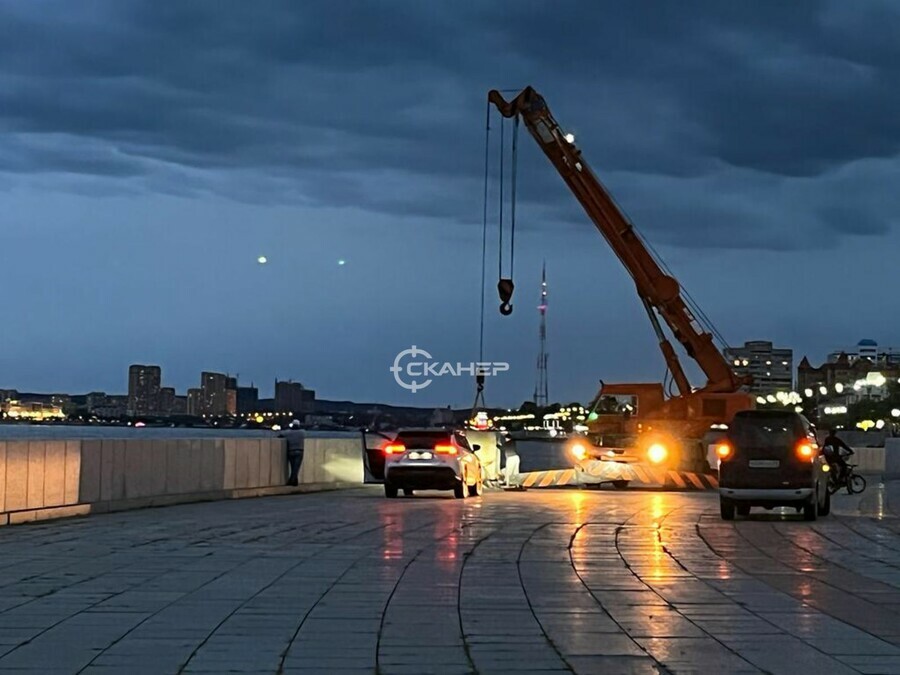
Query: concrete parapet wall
point(892, 459)
point(329, 460)
point(869, 460)
point(48, 479)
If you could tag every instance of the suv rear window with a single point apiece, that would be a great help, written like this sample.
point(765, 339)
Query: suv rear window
point(422, 439)
point(766, 430)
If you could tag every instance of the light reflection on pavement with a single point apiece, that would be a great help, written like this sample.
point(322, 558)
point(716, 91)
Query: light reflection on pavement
point(600, 581)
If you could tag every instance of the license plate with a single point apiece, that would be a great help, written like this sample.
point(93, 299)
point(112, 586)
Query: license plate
point(764, 463)
point(420, 455)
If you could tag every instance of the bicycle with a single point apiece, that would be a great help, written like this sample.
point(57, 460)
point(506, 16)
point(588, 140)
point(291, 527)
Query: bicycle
point(849, 479)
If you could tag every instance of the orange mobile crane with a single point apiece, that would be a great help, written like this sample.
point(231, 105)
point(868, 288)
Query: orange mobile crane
point(638, 418)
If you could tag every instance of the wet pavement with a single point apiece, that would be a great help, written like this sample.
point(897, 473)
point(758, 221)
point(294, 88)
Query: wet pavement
point(536, 582)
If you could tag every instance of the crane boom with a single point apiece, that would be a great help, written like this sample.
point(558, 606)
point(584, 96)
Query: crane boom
point(659, 292)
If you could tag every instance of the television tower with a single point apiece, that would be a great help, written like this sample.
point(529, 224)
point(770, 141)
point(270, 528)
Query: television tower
point(541, 397)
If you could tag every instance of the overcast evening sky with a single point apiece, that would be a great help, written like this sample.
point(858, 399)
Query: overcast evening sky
point(151, 151)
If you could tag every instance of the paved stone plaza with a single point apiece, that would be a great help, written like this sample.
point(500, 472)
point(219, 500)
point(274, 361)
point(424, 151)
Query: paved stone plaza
point(535, 582)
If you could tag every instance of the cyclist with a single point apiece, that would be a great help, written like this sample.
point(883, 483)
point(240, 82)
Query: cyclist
point(836, 452)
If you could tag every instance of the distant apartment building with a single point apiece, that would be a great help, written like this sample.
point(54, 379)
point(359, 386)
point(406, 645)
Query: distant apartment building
point(293, 398)
point(143, 390)
point(212, 388)
point(219, 393)
point(247, 400)
point(94, 400)
point(179, 407)
point(194, 402)
point(771, 368)
point(265, 405)
point(166, 400)
point(105, 406)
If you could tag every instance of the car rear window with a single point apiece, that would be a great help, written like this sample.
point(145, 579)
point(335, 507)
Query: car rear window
point(422, 439)
point(767, 430)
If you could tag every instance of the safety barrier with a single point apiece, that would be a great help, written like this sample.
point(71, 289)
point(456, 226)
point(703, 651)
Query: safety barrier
point(596, 472)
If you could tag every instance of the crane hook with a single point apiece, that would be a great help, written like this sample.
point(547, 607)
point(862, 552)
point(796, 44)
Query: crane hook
point(505, 288)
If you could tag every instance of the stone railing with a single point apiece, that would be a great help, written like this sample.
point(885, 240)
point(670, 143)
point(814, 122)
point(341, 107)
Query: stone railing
point(892, 459)
point(49, 479)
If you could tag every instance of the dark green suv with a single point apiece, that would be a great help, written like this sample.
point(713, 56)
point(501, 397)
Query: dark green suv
point(771, 458)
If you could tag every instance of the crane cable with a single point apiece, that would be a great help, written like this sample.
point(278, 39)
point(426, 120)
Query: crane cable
point(505, 285)
point(484, 222)
point(500, 218)
point(514, 170)
point(479, 376)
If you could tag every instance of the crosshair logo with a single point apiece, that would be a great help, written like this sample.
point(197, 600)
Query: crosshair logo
point(396, 369)
point(413, 368)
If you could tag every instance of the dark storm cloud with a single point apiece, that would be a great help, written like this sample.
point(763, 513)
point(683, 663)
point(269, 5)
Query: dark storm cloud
point(718, 124)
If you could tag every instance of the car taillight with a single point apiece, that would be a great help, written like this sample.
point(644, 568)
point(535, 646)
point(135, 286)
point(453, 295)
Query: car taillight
point(806, 451)
point(445, 449)
point(723, 451)
point(394, 449)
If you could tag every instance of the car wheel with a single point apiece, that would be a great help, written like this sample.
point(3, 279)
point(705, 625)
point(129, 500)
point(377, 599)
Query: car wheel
point(811, 509)
point(460, 491)
point(743, 510)
point(407, 492)
point(477, 489)
point(390, 491)
point(825, 508)
point(620, 484)
point(726, 508)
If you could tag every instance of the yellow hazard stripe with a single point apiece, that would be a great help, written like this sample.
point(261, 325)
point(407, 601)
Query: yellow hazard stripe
point(530, 478)
point(695, 479)
point(678, 480)
point(612, 471)
point(549, 479)
point(658, 475)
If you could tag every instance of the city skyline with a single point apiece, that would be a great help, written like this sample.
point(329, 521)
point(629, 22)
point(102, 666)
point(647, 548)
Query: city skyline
point(865, 348)
point(145, 395)
point(145, 174)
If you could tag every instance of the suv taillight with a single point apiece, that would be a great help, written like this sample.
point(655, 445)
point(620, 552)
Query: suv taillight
point(806, 451)
point(724, 451)
point(394, 449)
point(445, 449)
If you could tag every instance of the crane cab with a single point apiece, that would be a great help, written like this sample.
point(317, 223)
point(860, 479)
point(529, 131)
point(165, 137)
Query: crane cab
point(638, 423)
